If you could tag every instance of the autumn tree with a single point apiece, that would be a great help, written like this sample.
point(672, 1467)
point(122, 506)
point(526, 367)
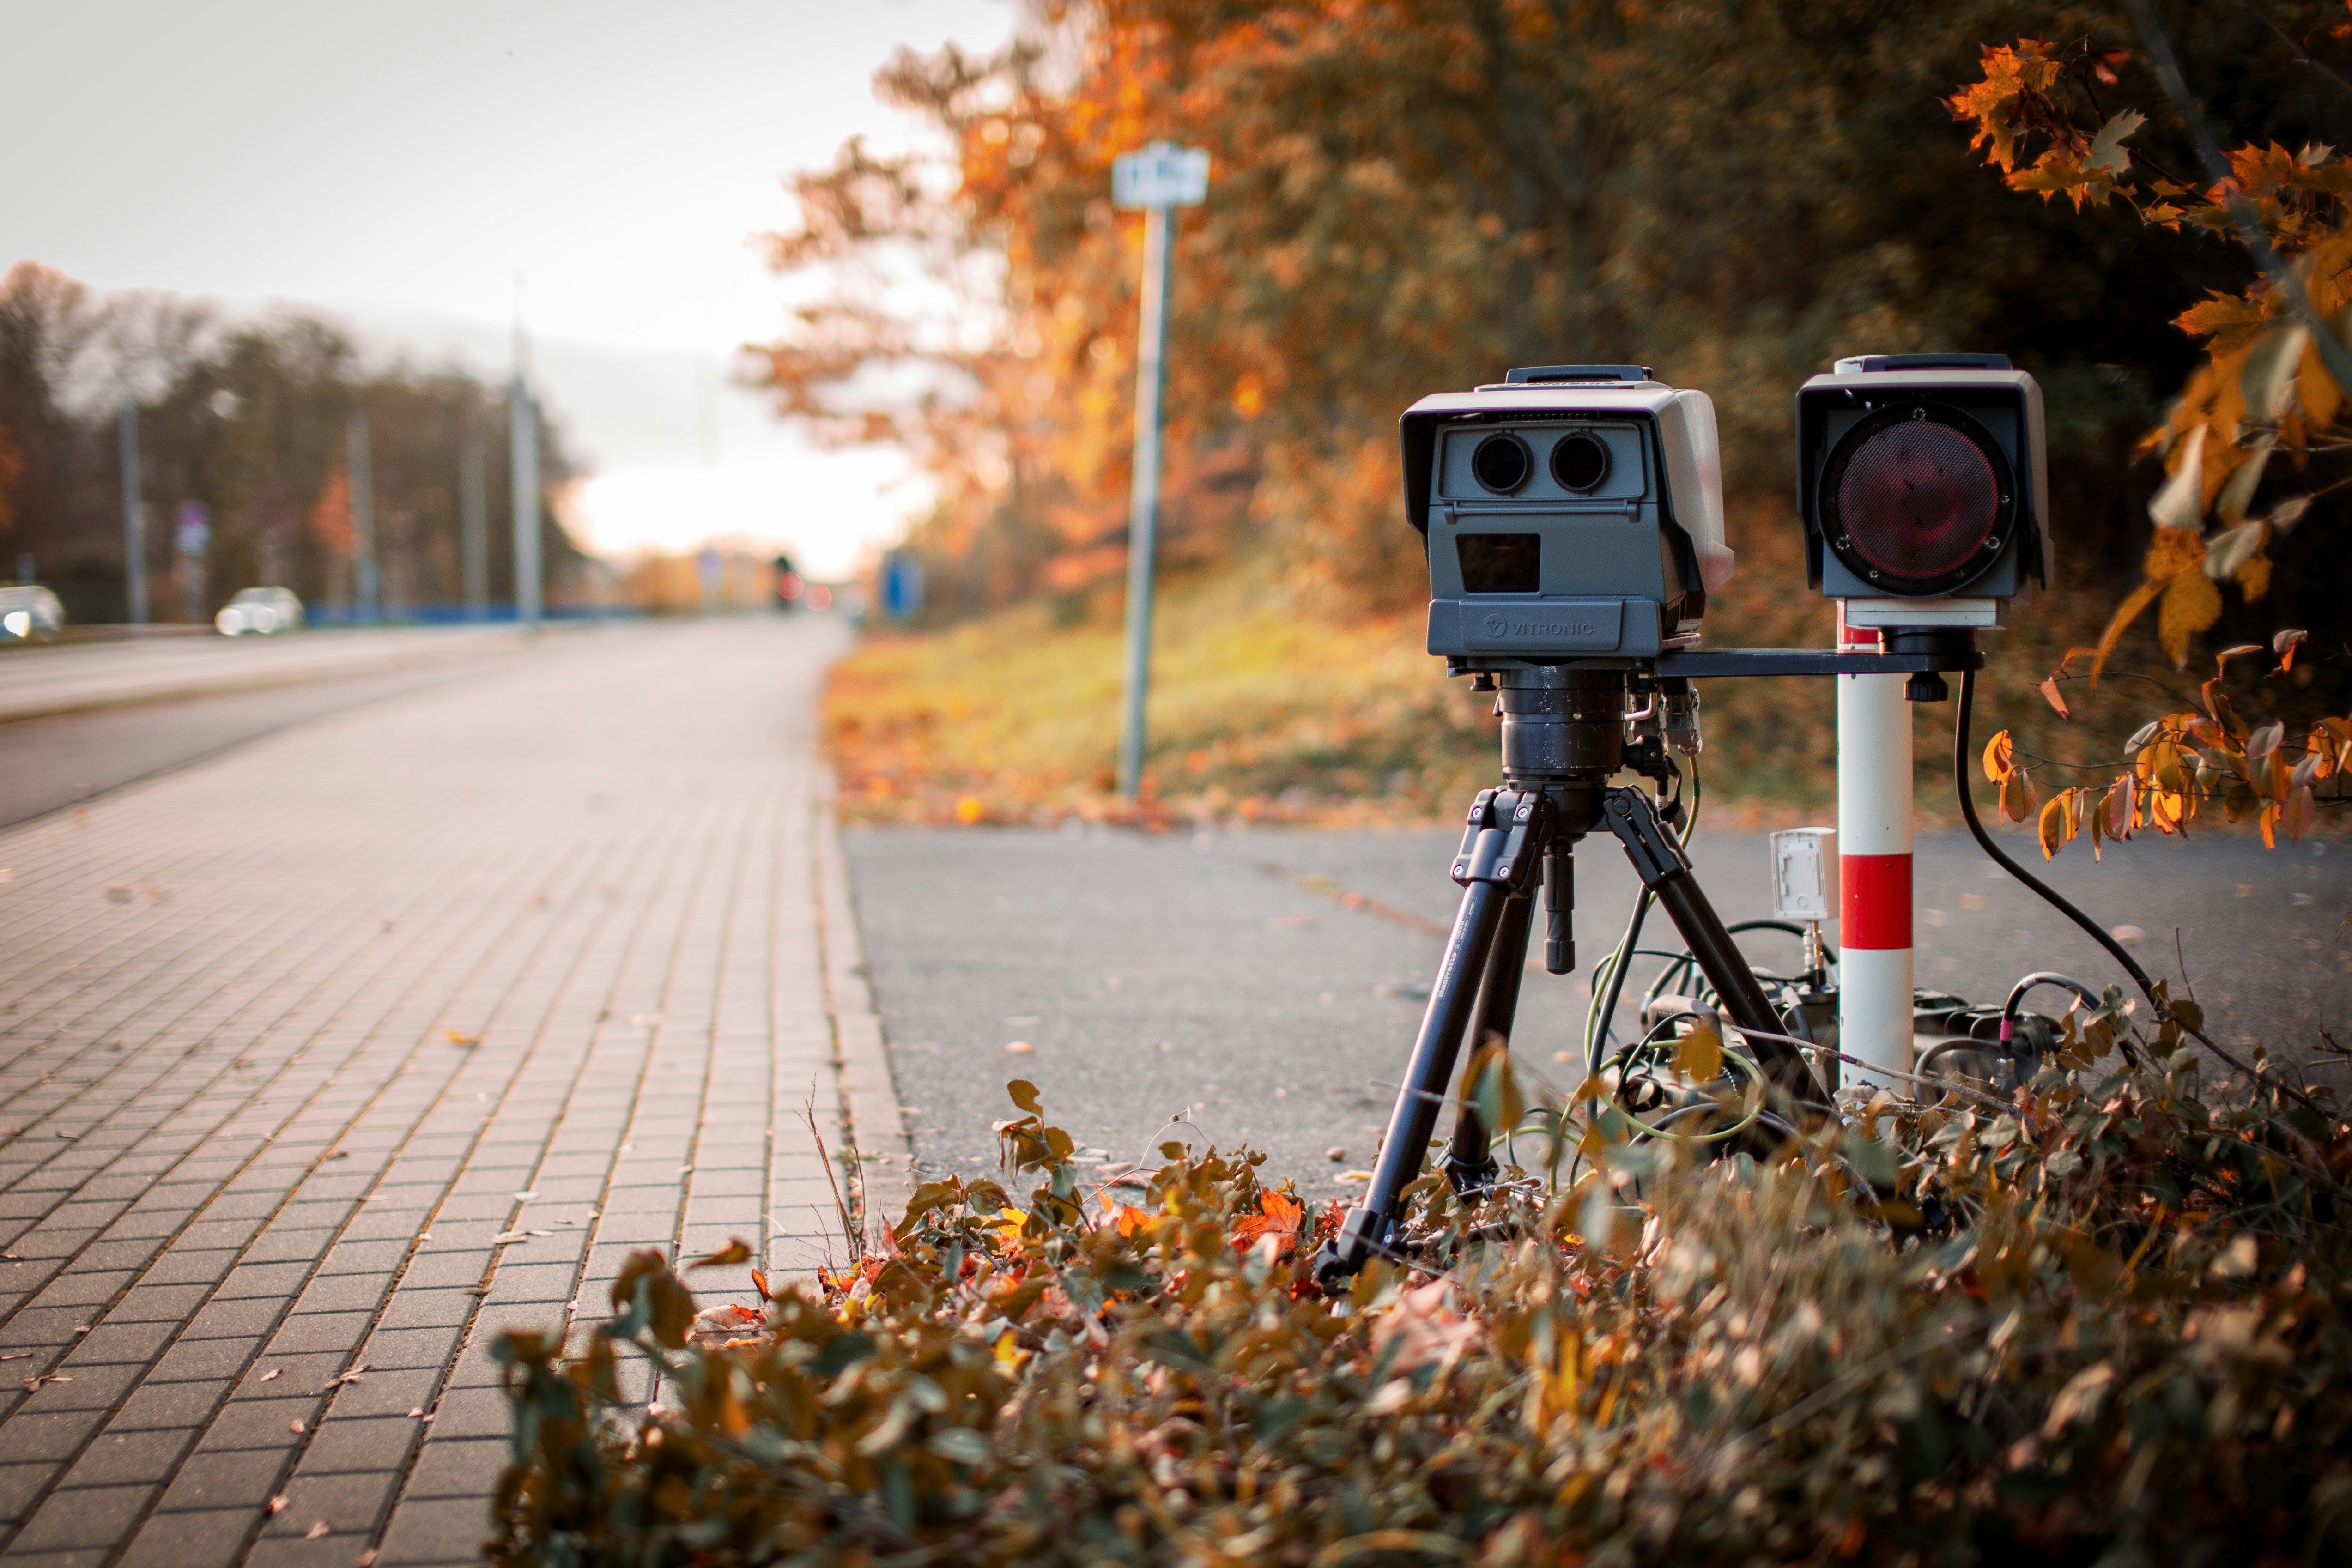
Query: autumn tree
point(2251, 447)
point(247, 418)
point(1410, 196)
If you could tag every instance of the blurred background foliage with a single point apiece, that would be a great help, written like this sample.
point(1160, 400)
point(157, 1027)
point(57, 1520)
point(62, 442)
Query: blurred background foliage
point(248, 419)
point(1408, 197)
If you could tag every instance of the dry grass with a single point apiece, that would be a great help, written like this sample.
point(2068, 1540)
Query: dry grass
point(1271, 709)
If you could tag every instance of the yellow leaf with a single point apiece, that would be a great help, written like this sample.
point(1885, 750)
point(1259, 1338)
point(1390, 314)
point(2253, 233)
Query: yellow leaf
point(2000, 758)
point(2191, 604)
point(2179, 506)
point(2316, 390)
point(2253, 575)
point(2301, 812)
point(2173, 552)
point(1699, 1058)
point(2052, 827)
point(2018, 795)
point(2125, 613)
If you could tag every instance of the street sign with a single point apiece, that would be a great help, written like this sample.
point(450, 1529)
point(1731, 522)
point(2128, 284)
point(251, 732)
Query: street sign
point(902, 584)
point(1160, 179)
point(194, 534)
point(1162, 175)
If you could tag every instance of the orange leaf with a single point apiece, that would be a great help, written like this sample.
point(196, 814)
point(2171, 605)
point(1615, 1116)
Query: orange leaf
point(2000, 758)
point(2191, 604)
point(2175, 551)
point(2284, 644)
point(1132, 1219)
point(2301, 812)
point(2054, 828)
point(2048, 690)
point(2125, 613)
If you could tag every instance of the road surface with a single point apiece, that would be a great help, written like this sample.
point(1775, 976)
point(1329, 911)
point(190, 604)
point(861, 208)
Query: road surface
point(1229, 976)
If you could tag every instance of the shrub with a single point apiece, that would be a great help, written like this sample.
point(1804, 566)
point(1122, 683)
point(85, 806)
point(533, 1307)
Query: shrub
point(2101, 1320)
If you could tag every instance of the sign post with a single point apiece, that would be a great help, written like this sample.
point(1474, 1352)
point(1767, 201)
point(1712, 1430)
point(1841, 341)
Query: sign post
point(1160, 179)
point(134, 519)
point(1874, 842)
point(191, 538)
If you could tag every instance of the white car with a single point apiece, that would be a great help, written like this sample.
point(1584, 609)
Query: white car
point(260, 610)
point(29, 613)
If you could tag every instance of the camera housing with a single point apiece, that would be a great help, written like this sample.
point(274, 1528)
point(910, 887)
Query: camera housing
point(1923, 480)
point(1569, 512)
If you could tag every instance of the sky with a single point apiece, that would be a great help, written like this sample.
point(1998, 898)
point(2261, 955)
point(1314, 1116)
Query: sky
point(398, 165)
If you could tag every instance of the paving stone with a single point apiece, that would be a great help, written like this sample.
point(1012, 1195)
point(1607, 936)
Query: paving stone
point(362, 1443)
point(465, 1468)
point(90, 1517)
point(215, 1477)
point(130, 1457)
point(349, 1503)
point(20, 1487)
point(156, 1407)
point(212, 1537)
point(204, 1360)
point(435, 1530)
point(254, 1175)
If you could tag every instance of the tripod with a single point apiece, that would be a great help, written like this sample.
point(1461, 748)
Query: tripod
point(1563, 738)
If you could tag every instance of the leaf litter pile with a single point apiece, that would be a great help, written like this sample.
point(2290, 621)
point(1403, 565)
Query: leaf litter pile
point(2098, 1319)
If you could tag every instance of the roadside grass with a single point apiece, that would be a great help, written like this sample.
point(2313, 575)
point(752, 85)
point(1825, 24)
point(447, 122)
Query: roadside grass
point(1258, 710)
point(1268, 707)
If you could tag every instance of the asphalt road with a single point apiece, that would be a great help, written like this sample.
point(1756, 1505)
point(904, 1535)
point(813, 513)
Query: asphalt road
point(77, 719)
point(74, 677)
point(1227, 977)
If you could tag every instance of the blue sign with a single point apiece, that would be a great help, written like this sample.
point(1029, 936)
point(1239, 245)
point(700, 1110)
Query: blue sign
point(902, 585)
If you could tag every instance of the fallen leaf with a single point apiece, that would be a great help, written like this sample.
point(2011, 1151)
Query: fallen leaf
point(1019, 1048)
point(269, 1375)
point(736, 1251)
point(466, 1039)
point(275, 1505)
point(319, 1530)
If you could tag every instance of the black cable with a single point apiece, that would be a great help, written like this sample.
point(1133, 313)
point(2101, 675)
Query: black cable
point(2164, 1015)
point(2012, 1007)
point(1962, 782)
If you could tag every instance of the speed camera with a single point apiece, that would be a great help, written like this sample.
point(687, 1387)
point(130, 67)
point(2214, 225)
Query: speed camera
point(1570, 511)
point(1923, 483)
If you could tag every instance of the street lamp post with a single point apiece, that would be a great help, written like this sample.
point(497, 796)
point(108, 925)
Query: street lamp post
point(1160, 179)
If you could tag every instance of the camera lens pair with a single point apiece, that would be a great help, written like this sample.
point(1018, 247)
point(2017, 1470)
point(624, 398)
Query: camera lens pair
point(1501, 463)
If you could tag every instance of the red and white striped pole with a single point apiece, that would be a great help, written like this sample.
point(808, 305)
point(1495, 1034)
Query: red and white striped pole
point(1874, 863)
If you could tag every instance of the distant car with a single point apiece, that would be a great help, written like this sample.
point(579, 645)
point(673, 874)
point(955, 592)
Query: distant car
point(30, 614)
point(260, 610)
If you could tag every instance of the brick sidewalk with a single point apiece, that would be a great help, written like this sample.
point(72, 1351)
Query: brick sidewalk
point(325, 1061)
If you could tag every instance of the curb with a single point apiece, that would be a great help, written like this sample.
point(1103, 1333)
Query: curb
point(874, 1125)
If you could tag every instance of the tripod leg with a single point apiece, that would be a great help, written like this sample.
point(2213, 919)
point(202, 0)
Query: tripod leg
point(1469, 1165)
point(1507, 829)
point(1660, 863)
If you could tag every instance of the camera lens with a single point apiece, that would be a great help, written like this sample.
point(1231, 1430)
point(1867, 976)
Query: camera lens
point(1501, 463)
point(1921, 499)
point(1580, 462)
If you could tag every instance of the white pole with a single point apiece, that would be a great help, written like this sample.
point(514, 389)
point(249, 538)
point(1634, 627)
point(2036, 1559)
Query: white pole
point(1874, 863)
point(1143, 506)
point(362, 472)
point(134, 519)
point(473, 519)
point(524, 419)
